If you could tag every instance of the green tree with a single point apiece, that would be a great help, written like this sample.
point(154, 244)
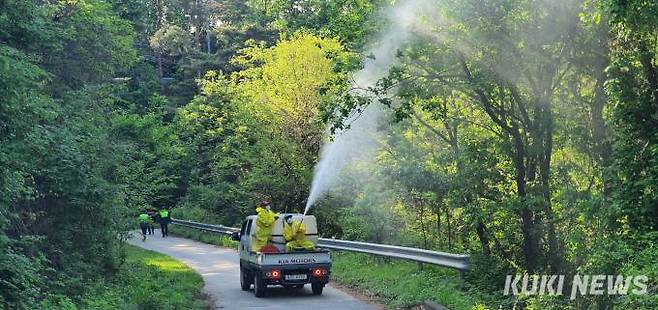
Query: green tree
point(633, 90)
point(292, 81)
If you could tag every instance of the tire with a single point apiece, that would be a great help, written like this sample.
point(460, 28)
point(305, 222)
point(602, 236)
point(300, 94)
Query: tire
point(245, 279)
point(259, 285)
point(317, 288)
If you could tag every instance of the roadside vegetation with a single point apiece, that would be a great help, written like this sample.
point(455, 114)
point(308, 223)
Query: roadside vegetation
point(521, 132)
point(148, 280)
point(145, 280)
point(402, 284)
point(205, 237)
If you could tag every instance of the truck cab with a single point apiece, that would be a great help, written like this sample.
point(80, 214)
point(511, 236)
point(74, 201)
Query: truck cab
point(276, 266)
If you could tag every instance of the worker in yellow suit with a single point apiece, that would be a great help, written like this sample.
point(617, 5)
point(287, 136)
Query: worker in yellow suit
point(294, 232)
point(264, 224)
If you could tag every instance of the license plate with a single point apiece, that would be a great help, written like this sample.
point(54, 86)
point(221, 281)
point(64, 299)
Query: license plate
point(296, 277)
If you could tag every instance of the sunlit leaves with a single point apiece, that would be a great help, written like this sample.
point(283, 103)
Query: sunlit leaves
point(292, 81)
point(171, 40)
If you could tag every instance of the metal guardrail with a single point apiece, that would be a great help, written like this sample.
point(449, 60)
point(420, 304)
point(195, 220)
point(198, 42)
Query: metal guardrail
point(207, 227)
point(455, 261)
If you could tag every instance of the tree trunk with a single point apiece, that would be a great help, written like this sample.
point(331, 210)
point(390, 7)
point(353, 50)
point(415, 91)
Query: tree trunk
point(422, 224)
point(437, 212)
point(159, 22)
point(530, 240)
point(545, 124)
point(448, 220)
point(518, 156)
point(529, 247)
point(158, 55)
point(602, 144)
point(484, 239)
point(650, 74)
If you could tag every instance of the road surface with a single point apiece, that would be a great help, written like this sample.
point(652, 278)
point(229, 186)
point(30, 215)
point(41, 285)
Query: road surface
point(220, 270)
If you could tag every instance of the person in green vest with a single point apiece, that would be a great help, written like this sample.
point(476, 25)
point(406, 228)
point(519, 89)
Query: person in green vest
point(153, 216)
point(165, 218)
point(144, 220)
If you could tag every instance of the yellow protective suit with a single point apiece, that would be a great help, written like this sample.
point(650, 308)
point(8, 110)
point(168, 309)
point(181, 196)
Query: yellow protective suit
point(264, 223)
point(295, 236)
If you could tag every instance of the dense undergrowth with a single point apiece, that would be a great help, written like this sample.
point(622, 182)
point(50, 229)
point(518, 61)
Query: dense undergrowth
point(402, 284)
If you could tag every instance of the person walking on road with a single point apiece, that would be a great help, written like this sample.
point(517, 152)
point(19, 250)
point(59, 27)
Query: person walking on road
point(165, 218)
point(152, 218)
point(144, 220)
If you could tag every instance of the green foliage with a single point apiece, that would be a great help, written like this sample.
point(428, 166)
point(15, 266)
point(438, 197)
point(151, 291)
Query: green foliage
point(21, 278)
point(88, 42)
point(198, 214)
point(632, 89)
point(518, 131)
point(642, 263)
point(350, 21)
point(61, 196)
point(20, 82)
point(255, 135)
point(206, 237)
point(147, 280)
point(171, 40)
point(153, 157)
point(57, 302)
point(291, 81)
point(402, 284)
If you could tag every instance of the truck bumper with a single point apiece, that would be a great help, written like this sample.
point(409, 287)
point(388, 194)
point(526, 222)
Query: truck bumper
point(285, 273)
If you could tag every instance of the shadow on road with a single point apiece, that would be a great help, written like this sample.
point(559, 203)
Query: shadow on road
point(274, 292)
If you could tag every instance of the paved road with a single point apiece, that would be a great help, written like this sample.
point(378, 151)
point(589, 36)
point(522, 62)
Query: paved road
point(220, 270)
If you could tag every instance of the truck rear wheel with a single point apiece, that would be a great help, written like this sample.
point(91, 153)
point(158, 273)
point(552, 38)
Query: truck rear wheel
point(317, 288)
point(259, 285)
point(245, 279)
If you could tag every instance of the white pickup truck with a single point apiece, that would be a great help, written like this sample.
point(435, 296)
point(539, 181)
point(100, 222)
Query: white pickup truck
point(288, 269)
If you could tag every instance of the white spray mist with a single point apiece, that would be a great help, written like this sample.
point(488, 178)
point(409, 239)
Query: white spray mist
point(359, 142)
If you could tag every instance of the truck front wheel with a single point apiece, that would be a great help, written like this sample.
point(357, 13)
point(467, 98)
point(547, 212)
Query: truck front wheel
point(245, 279)
point(259, 285)
point(317, 288)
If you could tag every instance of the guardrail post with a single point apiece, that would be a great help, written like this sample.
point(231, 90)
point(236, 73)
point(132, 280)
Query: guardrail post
point(462, 279)
point(420, 266)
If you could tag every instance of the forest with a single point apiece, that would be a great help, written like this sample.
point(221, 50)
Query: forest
point(521, 132)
